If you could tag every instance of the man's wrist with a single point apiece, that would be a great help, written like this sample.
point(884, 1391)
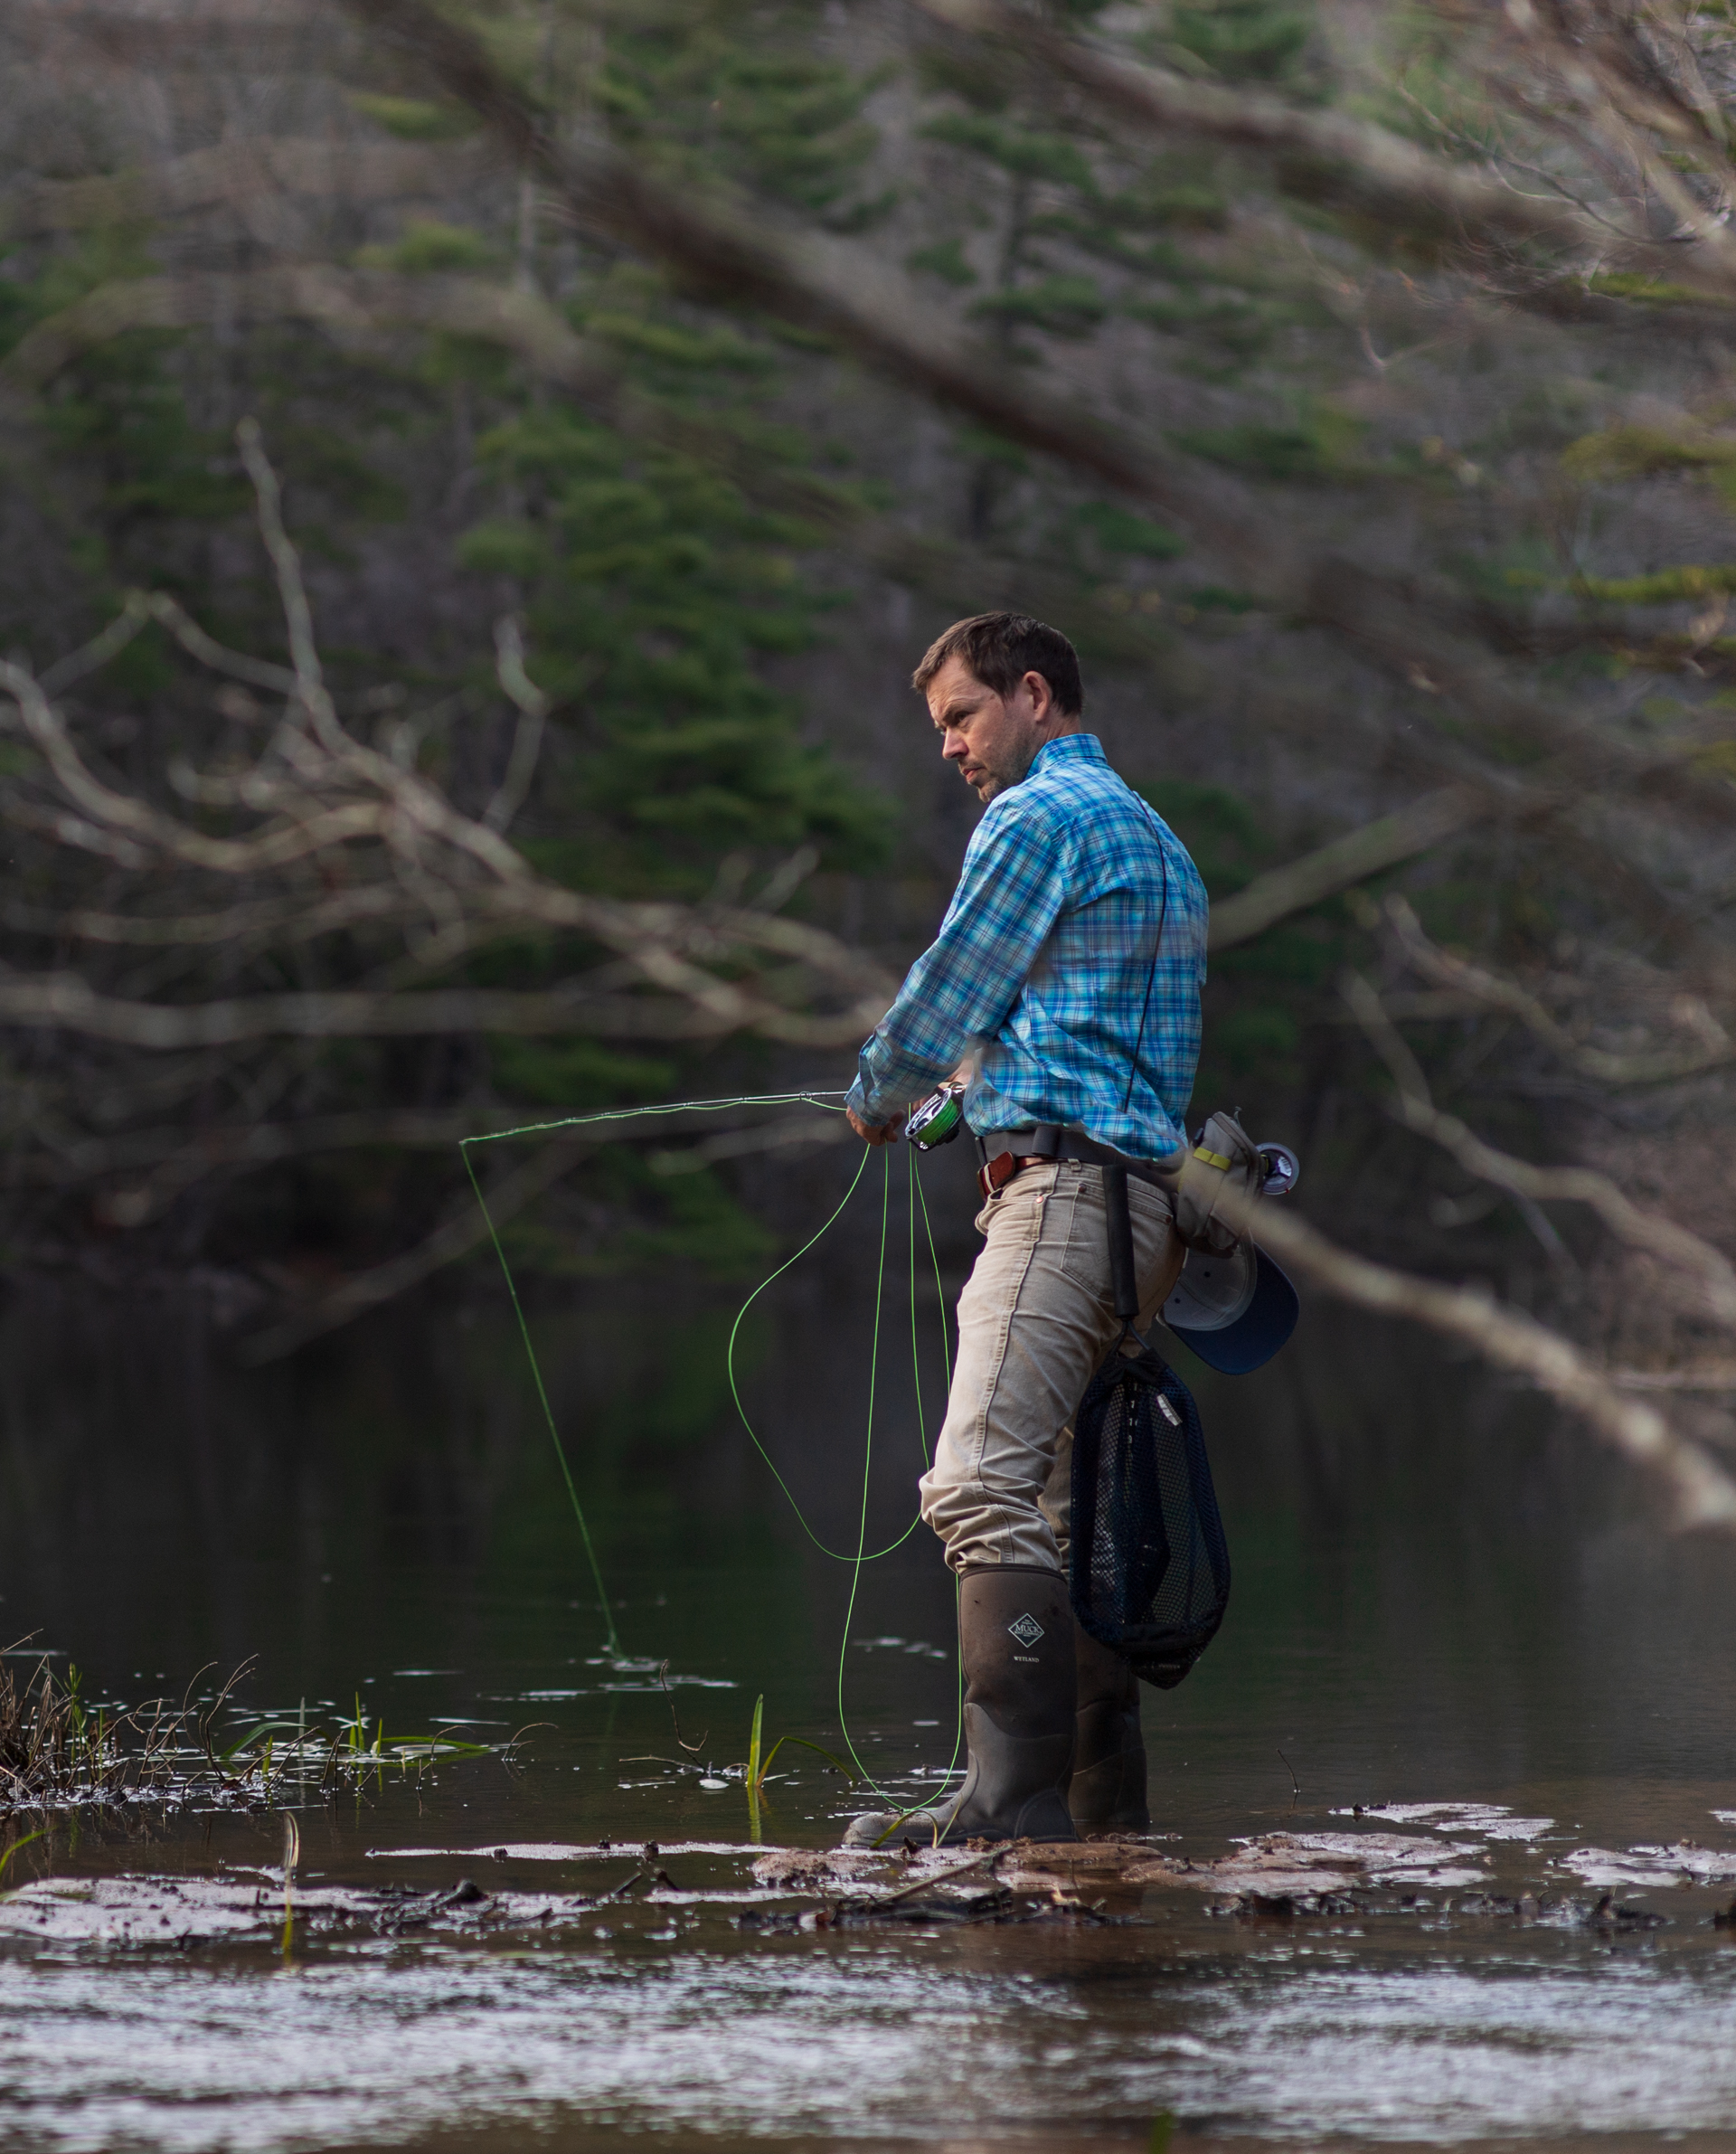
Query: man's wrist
point(865, 1109)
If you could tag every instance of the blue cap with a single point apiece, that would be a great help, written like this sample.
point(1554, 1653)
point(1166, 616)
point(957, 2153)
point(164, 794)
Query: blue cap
point(1234, 1312)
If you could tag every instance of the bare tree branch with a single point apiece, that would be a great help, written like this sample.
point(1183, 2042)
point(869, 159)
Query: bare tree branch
point(1475, 983)
point(288, 919)
point(1708, 1268)
point(63, 1002)
point(1718, 1375)
point(1700, 1491)
point(398, 808)
point(1353, 858)
point(464, 1229)
point(1319, 155)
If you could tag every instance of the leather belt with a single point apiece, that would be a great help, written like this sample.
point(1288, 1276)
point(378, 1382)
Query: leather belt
point(1042, 1145)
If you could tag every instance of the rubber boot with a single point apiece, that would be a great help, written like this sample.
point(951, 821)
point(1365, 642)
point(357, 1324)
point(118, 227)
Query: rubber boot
point(1108, 1792)
point(1016, 1635)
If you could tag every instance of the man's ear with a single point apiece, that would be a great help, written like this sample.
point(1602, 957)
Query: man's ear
point(1043, 698)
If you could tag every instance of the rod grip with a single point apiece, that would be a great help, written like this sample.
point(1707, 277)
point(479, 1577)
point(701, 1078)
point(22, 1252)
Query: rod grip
point(1124, 1279)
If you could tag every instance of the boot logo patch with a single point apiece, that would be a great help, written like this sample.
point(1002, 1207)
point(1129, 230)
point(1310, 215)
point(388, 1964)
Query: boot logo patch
point(1026, 1630)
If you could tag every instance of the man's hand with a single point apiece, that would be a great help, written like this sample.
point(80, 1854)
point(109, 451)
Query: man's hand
point(1212, 1188)
point(876, 1132)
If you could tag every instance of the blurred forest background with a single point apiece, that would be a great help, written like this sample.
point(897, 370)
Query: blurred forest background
point(477, 481)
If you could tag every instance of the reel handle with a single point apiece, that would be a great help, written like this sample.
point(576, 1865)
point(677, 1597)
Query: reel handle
point(1283, 1169)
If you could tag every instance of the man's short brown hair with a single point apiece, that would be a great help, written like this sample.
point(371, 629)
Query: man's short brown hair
point(999, 649)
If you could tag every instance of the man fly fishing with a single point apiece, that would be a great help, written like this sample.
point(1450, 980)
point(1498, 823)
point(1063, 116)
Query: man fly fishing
point(1063, 989)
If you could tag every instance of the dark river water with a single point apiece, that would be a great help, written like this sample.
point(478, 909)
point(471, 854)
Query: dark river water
point(1443, 1597)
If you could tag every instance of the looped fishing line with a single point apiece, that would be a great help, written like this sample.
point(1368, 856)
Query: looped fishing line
point(859, 1556)
point(856, 1555)
point(581, 1122)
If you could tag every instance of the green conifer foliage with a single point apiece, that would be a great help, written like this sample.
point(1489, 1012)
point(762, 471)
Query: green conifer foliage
point(654, 592)
point(1244, 40)
point(511, 409)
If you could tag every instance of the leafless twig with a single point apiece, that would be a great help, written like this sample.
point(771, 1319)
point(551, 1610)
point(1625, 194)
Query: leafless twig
point(1713, 1277)
point(693, 1749)
point(1478, 986)
point(1699, 1491)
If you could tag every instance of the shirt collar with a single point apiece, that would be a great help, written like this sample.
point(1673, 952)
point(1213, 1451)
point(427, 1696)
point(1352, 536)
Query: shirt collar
point(1070, 748)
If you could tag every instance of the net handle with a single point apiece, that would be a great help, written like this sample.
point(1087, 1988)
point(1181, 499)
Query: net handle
point(1123, 1278)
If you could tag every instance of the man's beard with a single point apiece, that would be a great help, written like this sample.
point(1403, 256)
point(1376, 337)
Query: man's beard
point(993, 783)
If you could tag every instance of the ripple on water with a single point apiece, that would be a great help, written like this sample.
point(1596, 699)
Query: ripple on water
point(874, 2041)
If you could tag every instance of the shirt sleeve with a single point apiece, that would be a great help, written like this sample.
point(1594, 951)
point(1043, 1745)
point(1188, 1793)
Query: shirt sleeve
point(963, 986)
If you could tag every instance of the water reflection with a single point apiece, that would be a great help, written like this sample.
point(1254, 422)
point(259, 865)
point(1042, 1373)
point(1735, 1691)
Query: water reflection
point(907, 2041)
point(1441, 1595)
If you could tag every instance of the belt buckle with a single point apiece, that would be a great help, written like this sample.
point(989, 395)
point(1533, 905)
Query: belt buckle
point(994, 1174)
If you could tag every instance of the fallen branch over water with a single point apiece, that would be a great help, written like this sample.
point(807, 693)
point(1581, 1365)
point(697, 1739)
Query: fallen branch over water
point(1699, 1491)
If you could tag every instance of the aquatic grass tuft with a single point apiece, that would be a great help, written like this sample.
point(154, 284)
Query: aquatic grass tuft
point(291, 1862)
point(59, 1753)
point(22, 1841)
point(753, 1773)
point(55, 1753)
point(760, 1763)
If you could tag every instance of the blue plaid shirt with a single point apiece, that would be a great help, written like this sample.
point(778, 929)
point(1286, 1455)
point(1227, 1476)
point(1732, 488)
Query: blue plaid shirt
point(1043, 965)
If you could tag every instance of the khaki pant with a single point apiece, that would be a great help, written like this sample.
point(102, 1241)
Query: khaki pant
point(1034, 1322)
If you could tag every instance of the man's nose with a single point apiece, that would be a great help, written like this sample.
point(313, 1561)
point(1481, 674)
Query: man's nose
point(952, 745)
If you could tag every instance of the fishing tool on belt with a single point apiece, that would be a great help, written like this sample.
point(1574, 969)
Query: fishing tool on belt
point(1149, 1573)
point(1232, 1305)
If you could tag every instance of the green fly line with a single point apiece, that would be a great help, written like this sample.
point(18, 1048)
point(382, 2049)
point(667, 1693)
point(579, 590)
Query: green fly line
point(579, 1121)
point(859, 1556)
point(841, 1556)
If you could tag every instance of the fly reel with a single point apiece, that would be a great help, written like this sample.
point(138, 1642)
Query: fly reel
point(938, 1119)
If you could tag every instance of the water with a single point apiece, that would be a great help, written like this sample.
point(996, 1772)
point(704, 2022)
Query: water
point(1442, 1596)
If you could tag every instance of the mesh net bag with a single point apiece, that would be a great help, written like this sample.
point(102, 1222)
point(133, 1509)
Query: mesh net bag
point(1150, 1571)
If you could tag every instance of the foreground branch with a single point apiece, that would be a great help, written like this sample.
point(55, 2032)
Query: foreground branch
point(1327, 157)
